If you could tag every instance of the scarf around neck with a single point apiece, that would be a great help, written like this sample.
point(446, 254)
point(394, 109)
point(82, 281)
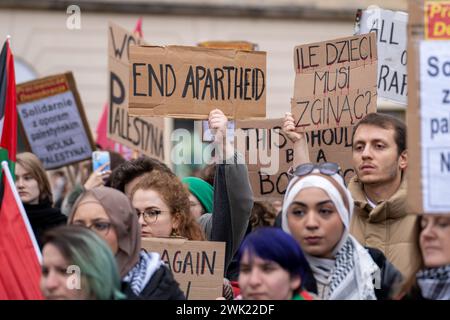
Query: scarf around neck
point(140, 275)
point(434, 283)
point(349, 276)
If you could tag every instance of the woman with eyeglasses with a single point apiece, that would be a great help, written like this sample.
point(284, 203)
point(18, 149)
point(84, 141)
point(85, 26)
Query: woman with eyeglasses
point(162, 207)
point(109, 213)
point(432, 279)
point(78, 265)
point(35, 192)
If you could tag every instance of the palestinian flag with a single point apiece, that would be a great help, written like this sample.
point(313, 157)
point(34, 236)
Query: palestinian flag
point(20, 257)
point(8, 111)
point(20, 270)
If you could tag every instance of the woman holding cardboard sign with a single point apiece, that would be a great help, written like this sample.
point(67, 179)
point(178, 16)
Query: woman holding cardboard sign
point(233, 199)
point(110, 214)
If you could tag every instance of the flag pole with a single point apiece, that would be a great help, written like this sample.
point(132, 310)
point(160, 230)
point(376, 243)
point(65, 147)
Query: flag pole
point(21, 209)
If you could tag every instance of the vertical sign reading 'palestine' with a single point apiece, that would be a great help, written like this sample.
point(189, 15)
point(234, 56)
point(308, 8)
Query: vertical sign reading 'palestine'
point(54, 121)
point(143, 134)
point(435, 119)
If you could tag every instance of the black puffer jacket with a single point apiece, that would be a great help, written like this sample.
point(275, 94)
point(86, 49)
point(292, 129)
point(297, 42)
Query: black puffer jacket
point(162, 286)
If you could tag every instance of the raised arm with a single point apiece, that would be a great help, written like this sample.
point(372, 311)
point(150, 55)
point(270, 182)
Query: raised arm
point(233, 197)
point(301, 152)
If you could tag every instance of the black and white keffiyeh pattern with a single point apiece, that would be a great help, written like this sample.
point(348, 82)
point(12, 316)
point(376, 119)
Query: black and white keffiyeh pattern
point(344, 264)
point(350, 276)
point(434, 283)
point(140, 275)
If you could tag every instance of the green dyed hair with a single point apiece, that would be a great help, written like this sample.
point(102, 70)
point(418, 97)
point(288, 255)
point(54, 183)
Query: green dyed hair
point(83, 248)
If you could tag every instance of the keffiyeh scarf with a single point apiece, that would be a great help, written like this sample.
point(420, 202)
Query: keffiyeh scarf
point(140, 275)
point(349, 276)
point(434, 283)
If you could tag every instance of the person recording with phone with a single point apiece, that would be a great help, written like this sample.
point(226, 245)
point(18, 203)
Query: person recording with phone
point(102, 163)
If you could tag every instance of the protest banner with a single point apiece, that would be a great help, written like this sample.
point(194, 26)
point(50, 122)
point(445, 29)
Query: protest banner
point(207, 135)
point(390, 29)
point(437, 20)
point(198, 266)
point(335, 82)
point(257, 138)
point(53, 120)
point(189, 82)
point(143, 134)
point(428, 115)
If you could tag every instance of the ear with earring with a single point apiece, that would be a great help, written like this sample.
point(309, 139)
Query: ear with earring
point(175, 225)
point(174, 233)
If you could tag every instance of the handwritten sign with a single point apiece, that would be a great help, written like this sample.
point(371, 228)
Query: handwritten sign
point(198, 266)
point(259, 140)
point(189, 82)
point(138, 133)
point(437, 20)
point(390, 29)
point(53, 119)
point(335, 82)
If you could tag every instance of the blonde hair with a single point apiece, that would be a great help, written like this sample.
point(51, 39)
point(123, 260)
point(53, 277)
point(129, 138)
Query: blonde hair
point(31, 163)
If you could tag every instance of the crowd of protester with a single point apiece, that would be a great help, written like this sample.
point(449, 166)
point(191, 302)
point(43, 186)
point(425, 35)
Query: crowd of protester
point(326, 240)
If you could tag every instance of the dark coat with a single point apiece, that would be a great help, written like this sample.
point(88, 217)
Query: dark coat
point(43, 217)
point(391, 278)
point(162, 286)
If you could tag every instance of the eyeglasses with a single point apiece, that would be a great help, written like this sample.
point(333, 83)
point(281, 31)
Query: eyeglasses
point(100, 227)
point(150, 215)
point(327, 168)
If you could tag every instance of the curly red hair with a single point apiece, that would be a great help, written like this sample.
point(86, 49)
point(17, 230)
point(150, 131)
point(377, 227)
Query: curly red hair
point(176, 196)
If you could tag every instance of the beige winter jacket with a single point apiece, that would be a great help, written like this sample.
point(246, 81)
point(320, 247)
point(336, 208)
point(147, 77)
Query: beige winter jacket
point(386, 227)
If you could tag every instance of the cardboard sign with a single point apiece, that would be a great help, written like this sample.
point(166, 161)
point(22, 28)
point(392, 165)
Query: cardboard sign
point(260, 140)
point(335, 82)
point(390, 29)
point(427, 126)
point(53, 119)
point(143, 134)
point(189, 82)
point(437, 20)
point(198, 266)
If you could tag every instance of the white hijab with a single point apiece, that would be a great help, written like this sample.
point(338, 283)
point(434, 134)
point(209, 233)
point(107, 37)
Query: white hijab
point(358, 282)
